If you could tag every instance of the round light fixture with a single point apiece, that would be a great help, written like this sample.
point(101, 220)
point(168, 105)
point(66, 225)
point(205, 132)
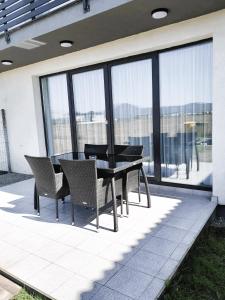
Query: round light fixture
point(160, 13)
point(6, 62)
point(66, 44)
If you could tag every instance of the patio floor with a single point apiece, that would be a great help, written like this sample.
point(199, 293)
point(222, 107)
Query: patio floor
point(74, 262)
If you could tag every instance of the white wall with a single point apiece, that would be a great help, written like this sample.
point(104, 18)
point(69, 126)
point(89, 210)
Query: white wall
point(19, 90)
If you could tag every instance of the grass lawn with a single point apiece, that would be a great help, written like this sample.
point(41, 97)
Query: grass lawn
point(202, 275)
point(24, 295)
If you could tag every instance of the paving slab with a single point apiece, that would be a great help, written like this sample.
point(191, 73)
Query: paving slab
point(67, 262)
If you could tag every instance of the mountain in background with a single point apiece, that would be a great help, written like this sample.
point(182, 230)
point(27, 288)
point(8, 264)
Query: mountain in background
point(126, 110)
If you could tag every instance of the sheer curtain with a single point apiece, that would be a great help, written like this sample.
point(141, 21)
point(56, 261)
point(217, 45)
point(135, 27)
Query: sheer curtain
point(186, 114)
point(132, 106)
point(56, 110)
point(89, 98)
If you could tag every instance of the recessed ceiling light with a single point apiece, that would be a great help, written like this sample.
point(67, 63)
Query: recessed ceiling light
point(160, 13)
point(7, 62)
point(66, 44)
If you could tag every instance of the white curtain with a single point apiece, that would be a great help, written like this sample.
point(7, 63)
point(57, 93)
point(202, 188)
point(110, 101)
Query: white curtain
point(56, 108)
point(186, 114)
point(89, 98)
point(132, 103)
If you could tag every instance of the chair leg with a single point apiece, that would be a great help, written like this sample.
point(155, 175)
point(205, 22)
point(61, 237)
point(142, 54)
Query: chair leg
point(35, 197)
point(57, 210)
point(72, 211)
point(38, 204)
point(121, 207)
point(97, 219)
point(139, 192)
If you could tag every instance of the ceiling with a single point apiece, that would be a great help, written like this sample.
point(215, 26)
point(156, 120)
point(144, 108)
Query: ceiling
point(128, 19)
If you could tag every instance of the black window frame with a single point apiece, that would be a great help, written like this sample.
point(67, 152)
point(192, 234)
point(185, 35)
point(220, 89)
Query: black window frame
point(106, 66)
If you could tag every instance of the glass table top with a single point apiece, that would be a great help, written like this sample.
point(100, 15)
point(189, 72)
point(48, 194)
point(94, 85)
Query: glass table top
point(110, 162)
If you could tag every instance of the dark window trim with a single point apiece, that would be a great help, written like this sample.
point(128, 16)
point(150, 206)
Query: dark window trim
point(106, 66)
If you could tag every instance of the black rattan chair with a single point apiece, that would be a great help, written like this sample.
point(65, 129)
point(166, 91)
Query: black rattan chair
point(133, 176)
point(85, 188)
point(47, 183)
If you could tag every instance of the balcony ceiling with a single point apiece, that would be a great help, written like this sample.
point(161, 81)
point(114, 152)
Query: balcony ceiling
point(124, 20)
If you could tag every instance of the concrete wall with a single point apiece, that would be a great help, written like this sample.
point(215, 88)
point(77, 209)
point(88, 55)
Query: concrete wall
point(19, 89)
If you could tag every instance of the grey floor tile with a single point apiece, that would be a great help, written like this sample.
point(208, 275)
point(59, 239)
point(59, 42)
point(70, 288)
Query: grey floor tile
point(74, 260)
point(11, 255)
point(118, 253)
point(94, 244)
point(99, 269)
point(109, 294)
point(168, 269)
point(153, 290)
point(189, 238)
point(181, 223)
point(52, 251)
point(171, 233)
point(129, 282)
point(147, 262)
point(160, 246)
point(50, 278)
point(76, 288)
point(28, 267)
point(180, 252)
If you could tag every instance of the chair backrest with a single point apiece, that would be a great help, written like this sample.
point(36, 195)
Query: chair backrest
point(44, 175)
point(128, 149)
point(82, 178)
point(98, 150)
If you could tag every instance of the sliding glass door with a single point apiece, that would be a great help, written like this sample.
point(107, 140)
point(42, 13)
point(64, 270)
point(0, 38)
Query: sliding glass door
point(161, 100)
point(132, 107)
point(89, 103)
point(186, 115)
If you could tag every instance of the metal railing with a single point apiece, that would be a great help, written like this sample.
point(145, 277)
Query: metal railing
point(15, 13)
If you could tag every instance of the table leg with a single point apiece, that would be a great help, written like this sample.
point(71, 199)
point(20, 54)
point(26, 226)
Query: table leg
point(146, 187)
point(35, 197)
point(125, 193)
point(115, 219)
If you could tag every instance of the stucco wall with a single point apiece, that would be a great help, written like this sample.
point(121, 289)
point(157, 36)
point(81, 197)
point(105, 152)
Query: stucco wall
point(19, 89)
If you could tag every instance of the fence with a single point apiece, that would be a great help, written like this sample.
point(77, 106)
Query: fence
point(4, 145)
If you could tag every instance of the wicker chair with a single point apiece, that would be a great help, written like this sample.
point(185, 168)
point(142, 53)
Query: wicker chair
point(133, 176)
point(47, 183)
point(85, 188)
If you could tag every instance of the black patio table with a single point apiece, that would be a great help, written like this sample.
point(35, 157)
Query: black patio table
point(110, 166)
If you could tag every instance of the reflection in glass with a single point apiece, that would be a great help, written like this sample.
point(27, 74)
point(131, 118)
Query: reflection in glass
point(186, 114)
point(56, 110)
point(132, 107)
point(89, 98)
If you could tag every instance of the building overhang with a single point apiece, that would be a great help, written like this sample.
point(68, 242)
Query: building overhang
point(106, 21)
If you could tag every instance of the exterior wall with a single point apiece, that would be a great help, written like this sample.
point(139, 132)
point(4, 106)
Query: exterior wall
point(20, 96)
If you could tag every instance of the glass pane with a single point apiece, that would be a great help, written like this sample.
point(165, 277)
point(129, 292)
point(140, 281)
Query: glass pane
point(89, 98)
point(186, 115)
point(56, 110)
point(132, 104)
